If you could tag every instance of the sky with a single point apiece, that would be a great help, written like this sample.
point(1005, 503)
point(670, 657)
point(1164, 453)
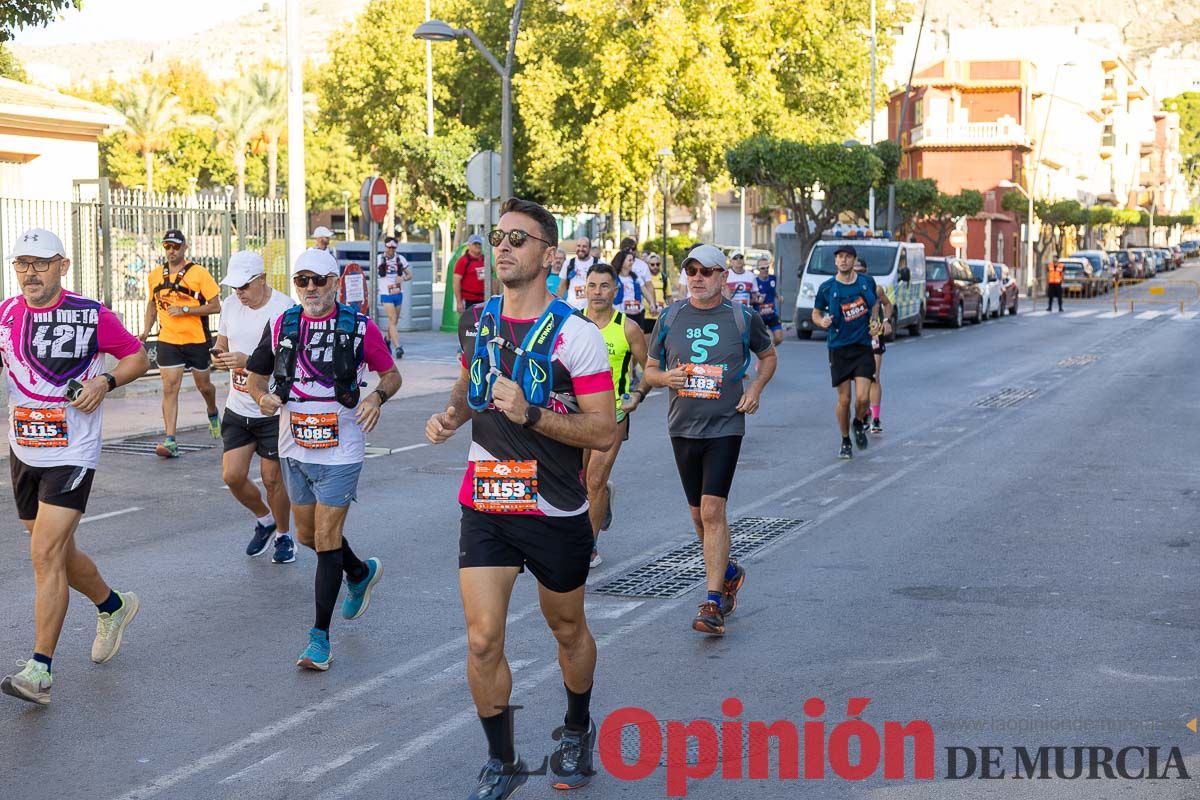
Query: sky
point(144, 20)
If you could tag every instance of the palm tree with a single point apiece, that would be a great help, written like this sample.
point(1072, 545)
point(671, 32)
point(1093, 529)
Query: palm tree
point(238, 119)
point(151, 112)
point(270, 90)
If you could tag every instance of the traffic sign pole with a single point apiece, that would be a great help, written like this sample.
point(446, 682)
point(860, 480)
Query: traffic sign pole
point(373, 200)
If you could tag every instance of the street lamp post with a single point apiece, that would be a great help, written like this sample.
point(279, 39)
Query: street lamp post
point(435, 30)
point(1007, 184)
point(346, 215)
point(663, 155)
point(871, 190)
point(1037, 163)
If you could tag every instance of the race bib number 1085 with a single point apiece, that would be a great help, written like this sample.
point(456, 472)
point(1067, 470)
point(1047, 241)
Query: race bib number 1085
point(315, 431)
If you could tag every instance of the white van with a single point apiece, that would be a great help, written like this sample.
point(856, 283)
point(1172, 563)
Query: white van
point(897, 267)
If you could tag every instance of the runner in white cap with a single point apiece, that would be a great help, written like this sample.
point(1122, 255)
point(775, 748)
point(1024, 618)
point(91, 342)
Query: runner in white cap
point(53, 343)
point(322, 235)
point(316, 355)
point(245, 430)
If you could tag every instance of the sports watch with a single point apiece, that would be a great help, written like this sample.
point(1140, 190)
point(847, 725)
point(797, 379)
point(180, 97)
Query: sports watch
point(532, 415)
point(112, 382)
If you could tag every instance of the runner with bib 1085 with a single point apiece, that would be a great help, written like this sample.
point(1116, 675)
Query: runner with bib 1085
point(245, 430)
point(53, 343)
point(316, 355)
point(537, 388)
point(701, 349)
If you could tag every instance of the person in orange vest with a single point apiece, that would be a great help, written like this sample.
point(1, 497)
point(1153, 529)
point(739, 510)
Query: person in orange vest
point(1054, 284)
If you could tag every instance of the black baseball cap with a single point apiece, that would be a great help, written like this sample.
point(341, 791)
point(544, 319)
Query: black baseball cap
point(847, 249)
point(174, 236)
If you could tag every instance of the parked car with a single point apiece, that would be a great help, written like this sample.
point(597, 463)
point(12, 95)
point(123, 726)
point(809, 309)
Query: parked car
point(989, 284)
point(1177, 254)
point(1166, 257)
point(1150, 265)
point(951, 292)
point(1102, 269)
point(1009, 291)
point(897, 267)
point(1190, 248)
point(1077, 276)
point(1129, 263)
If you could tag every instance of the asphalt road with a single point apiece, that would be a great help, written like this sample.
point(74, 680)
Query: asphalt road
point(1014, 575)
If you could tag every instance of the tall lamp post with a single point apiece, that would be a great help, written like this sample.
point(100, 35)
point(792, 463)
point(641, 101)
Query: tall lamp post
point(663, 155)
point(346, 215)
point(1029, 278)
point(1150, 230)
point(435, 30)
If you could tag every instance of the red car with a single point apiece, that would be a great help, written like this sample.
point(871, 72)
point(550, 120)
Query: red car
point(951, 291)
point(1009, 292)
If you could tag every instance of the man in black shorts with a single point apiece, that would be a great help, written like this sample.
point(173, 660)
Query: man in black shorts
point(533, 412)
point(701, 350)
point(844, 306)
point(245, 430)
point(54, 343)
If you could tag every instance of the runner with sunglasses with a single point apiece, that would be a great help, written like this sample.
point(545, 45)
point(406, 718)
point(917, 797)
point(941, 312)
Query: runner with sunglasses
point(316, 354)
point(661, 284)
point(537, 388)
point(182, 295)
point(53, 343)
point(245, 430)
point(701, 350)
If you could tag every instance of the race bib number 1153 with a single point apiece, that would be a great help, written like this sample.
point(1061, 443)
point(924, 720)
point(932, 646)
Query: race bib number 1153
point(505, 487)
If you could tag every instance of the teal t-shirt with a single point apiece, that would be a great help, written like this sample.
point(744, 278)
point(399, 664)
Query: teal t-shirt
point(850, 306)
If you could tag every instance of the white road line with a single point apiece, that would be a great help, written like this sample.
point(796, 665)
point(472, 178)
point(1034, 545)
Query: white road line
point(612, 610)
point(110, 514)
point(311, 774)
point(353, 783)
point(1036, 313)
point(1087, 312)
point(1113, 314)
point(406, 448)
point(1150, 315)
point(1186, 315)
point(243, 772)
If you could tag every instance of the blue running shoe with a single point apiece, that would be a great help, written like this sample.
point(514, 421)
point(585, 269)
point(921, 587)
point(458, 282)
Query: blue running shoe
point(358, 595)
point(571, 763)
point(260, 540)
point(285, 550)
point(318, 654)
point(498, 781)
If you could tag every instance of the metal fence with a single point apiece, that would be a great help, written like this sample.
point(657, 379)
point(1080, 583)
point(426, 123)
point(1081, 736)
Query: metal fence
point(114, 238)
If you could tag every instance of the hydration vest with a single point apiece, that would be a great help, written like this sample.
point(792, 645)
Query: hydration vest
point(619, 300)
point(740, 310)
point(571, 268)
point(347, 355)
point(176, 285)
point(532, 371)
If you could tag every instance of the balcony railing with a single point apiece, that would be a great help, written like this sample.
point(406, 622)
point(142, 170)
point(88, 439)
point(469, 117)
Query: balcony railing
point(969, 133)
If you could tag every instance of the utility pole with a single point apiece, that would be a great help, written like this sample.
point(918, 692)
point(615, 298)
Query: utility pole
point(297, 229)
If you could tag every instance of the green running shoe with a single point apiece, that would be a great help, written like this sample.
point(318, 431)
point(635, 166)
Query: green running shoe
point(168, 449)
point(32, 684)
point(214, 426)
point(111, 627)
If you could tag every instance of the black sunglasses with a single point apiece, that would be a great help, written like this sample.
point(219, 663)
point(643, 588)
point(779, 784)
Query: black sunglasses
point(246, 285)
point(692, 269)
point(515, 237)
point(302, 281)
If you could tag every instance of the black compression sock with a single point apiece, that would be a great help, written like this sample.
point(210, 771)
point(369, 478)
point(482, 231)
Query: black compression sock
point(111, 603)
point(354, 567)
point(577, 708)
point(499, 733)
point(328, 584)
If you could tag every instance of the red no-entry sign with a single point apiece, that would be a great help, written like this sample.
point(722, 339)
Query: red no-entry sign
point(373, 199)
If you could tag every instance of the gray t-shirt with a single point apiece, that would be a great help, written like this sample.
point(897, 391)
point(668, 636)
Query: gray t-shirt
point(708, 343)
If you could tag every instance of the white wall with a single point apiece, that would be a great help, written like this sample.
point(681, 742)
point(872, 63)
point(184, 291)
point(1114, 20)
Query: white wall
point(48, 176)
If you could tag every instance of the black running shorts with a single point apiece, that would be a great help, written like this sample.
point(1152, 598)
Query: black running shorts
point(557, 550)
point(648, 323)
point(238, 431)
point(706, 466)
point(852, 361)
point(67, 487)
point(189, 356)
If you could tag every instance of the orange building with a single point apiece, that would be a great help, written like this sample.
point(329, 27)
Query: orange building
point(966, 128)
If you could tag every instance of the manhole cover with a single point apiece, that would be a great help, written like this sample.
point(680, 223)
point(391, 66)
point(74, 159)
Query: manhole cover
point(1006, 398)
point(676, 572)
point(133, 447)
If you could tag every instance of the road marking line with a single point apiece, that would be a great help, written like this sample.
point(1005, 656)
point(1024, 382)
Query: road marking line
point(1186, 315)
point(1087, 312)
point(1036, 313)
point(406, 448)
point(353, 783)
point(1112, 314)
point(612, 610)
point(1143, 678)
point(1150, 315)
point(311, 774)
point(110, 514)
point(242, 772)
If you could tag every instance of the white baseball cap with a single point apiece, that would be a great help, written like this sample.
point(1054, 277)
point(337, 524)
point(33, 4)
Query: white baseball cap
point(707, 255)
point(39, 243)
point(322, 231)
point(244, 266)
point(320, 262)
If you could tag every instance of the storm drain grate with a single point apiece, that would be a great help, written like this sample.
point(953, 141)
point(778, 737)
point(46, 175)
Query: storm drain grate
point(676, 572)
point(135, 447)
point(1079, 361)
point(1006, 398)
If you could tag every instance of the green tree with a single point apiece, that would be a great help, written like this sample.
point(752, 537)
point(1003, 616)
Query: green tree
point(10, 66)
point(269, 88)
point(1187, 105)
point(17, 14)
point(943, 215)
point(238, 119)
point(151, 113)
point(817, 182)
point(915, 199)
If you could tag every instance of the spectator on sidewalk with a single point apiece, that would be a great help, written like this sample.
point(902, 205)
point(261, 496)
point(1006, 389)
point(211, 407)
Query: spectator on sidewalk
point(470, 275)
point(322, 235)
point(182, 295)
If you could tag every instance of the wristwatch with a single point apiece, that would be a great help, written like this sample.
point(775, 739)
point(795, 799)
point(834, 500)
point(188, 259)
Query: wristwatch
point(532, 415)
point(383, 398)
point(112, 382)
point(187, 309)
